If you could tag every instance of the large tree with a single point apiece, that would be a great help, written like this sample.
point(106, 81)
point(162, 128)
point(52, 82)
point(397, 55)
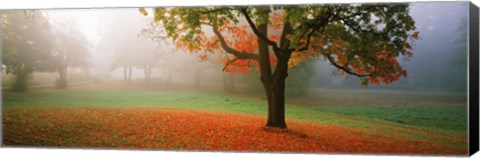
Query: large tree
point(71, 50)
point(27, 44)
point(363, 40)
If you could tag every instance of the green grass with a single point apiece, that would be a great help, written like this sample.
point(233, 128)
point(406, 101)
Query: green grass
point(134, 98)
point(433, 116)
point(442, 118)
point(437, 118)
point(208, 101)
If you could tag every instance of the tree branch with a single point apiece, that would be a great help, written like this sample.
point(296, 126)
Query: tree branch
point(228, 63)
point(323, 21)
point(308, 40)
point(344, 68)
point(357, 29)
point(348, 21)
point(215, 10)
point(228, 49)
point(257, 32)
point(283, 38)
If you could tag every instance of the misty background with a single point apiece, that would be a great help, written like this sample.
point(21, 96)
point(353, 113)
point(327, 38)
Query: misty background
point(118, 50)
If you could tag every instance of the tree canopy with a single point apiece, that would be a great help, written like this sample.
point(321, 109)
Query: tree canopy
point(359, 39)
point(27, 44)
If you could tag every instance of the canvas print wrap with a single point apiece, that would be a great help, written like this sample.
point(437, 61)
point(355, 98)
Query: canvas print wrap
point(371, 78)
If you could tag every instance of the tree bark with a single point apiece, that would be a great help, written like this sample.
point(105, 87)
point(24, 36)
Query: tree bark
point(278, 91)
point(266, 74)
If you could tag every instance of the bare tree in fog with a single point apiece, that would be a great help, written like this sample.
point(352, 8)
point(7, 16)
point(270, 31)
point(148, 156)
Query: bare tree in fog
point(71, 50)
point(120, 38)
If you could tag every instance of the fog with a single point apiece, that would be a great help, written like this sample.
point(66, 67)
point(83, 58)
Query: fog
point(433, 66)
point(118, 46)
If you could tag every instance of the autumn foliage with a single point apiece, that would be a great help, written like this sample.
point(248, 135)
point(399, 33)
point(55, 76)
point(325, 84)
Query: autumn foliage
point(239, 37)
point(175, 129)
point(369, 59)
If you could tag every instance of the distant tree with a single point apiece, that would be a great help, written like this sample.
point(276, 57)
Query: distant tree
point(121, 37)
point(146, 58)
point(135, 54)
point(363, 40)
point(27, 45)
point(214, 55)
point(163, 49)
point(71, 50)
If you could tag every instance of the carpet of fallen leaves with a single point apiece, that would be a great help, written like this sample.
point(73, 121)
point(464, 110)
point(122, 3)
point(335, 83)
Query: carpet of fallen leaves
point(174, 129)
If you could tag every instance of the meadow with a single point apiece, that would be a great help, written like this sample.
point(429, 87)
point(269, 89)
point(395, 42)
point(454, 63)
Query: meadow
point(142, 116)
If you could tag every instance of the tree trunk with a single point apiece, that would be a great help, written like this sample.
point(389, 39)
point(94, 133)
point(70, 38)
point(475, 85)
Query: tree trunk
point(146, 73)
point(278, 91)
point(21, 77)
point(274, 84)
point(129, 74)
point(266, 73)
point(62, 80)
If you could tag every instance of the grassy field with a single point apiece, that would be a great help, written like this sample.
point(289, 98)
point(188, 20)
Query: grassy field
point(430, 118)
